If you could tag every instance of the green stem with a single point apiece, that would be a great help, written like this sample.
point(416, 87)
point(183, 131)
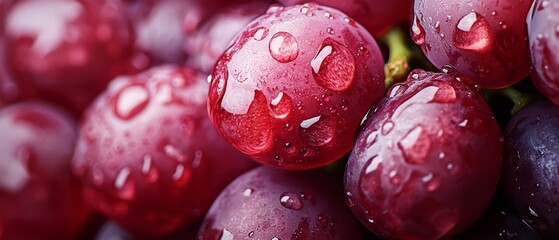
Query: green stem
point(397, 67)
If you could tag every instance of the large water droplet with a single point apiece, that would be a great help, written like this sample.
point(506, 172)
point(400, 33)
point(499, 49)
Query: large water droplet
point(283, 47)
point(252, 131)
point(318, 131)
point(373, 164)
point(445, 94)
point(248, 191)
point(334, 66)
point(431, 182)
point(148, 170)
point(415, 145)
point(417, 32)
point(291, 201)
point(124, 185)
point(281, 106)
point(131, 101)
point(472, 33)
point(387, 127)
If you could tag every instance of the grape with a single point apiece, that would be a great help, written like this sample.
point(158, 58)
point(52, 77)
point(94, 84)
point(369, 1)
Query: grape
point(207, 44)
point(421, 155)
point(39, 197)
point(149, 157)
point(544, 44)
point(484, 40)
point(375, 15)
point(498, 223)
point(266, 203)
point(292, 89)
point(161, 27)
point(67, 51)
point(531, 164)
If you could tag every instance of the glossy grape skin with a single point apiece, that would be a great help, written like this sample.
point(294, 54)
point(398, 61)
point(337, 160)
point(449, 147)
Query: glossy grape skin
point(149, 157)
point(498, 222)
point(544, 45)
point(292, 89)
point(207, 44)
point(66, 51)
point(266, 203)
point(484, 40)
point(375, 15)
point(530, 168)
point(39, 197)
point(427, 160)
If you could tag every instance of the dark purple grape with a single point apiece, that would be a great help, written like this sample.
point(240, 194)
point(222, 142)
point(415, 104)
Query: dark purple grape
point(485, 40)
point(544, 47)
point(267, 203)
point(531, 167)
point(427, 161)
point(498, 223)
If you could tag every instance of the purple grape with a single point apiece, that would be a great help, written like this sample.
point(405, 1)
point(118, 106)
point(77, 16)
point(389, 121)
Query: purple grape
point(427, 161)
point(530, 171)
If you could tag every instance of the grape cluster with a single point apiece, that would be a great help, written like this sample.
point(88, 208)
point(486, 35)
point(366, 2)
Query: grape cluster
point(275, 120)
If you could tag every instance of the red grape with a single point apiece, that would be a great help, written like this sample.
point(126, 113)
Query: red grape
point(292, 89)
point(67, 51)
point(484, 40)
point(148, 154)
point(266, 203)
point(544, 45)
point(39, 197)
point(531, 164)
point(421, 156)
point(375, 15)
point(207, 44)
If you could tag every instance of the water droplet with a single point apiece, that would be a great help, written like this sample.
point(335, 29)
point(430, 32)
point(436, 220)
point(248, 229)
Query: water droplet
point(472, 33)
point(334, 66)
point(543, 5)
point(431, 181)
point(415, 145)
point(445, 94)
point(438, 27)
point(131, 101)
point(226, 235)
point(260, 33)
point(387, 127)
point(318, 131)
point(181, 176)
point(371, 220)
point(174, 153)
point(328, 15)
point(148, 170)
point(350, 21)
point(283, 47)
point(251, 234)
point(281, 106)
point(464, 123)
point(247, 192)
point(532, 212)
point(251, 131)
point(275, 238)
point(291, 201)
point(330, 30)
point(372, 138)
point(289, 147)
point(125, 186)
point(417, 32)
point(274, 8)
point(306, 10)
point(394, 177)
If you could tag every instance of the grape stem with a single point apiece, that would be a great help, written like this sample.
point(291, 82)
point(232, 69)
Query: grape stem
point(519, 99)
point(397, 67)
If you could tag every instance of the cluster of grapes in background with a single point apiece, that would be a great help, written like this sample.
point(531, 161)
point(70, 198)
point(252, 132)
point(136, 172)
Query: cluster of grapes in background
point(276, 120)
